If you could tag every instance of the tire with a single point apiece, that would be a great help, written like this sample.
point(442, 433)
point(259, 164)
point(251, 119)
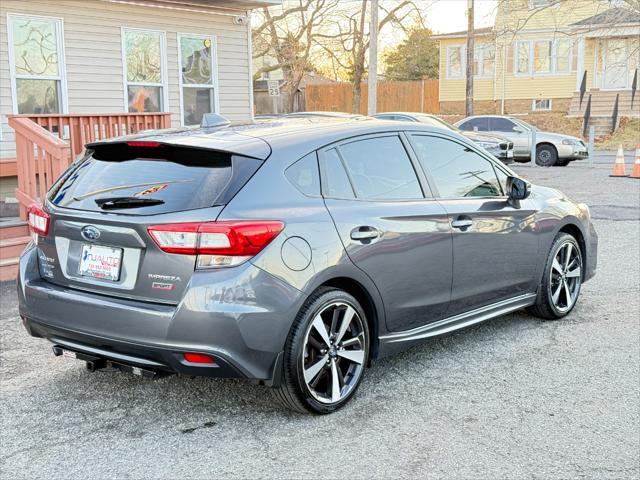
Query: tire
point(303, 353)
point(552, 298)
point(546, 155)
point(562, 163)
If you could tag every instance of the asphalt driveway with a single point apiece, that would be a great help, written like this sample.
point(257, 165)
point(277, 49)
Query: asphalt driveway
point(513, 397)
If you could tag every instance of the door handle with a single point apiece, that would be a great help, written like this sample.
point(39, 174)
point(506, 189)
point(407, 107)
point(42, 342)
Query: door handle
point(364, 233)
point(462, 223)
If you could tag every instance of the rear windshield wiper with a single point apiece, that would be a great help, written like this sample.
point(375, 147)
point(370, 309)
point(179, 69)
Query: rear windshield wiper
point(126, 202)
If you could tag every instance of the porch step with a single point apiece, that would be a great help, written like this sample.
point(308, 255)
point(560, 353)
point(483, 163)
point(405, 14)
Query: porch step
point(8, 268)
point(12, 228)
point(602, 103)
point(12, 247)
point(602, 125)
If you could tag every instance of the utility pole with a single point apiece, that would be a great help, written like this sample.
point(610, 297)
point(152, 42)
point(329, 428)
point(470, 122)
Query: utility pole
point(372, 79)
point(469, 76)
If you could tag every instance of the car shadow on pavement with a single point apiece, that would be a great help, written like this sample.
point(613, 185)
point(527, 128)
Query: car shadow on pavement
point(189, 404)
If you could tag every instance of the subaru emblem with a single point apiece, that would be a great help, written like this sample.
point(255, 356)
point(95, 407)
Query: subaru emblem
point(90, 233)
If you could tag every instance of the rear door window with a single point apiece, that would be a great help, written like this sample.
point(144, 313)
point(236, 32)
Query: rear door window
point(480, 124)
point(498, 124)
point(335, 182)
point(380, 169)
point(169, 180)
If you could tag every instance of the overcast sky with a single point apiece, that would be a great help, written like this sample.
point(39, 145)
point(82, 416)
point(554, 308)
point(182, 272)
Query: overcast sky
point(450, 15)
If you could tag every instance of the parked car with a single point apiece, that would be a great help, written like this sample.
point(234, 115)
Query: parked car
point(293, 253)
point(551, 148)
point(499, 147)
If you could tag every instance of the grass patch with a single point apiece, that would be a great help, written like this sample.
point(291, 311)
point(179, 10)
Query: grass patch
point(627, 134)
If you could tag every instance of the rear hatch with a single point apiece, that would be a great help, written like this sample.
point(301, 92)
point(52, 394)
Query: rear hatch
point(101, 208)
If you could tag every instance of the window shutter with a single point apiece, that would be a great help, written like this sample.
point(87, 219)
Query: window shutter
point(574, 58)
point(510, 48)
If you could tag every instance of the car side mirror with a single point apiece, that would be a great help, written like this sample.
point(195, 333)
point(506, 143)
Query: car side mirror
point(517, 189)
point(517, 129)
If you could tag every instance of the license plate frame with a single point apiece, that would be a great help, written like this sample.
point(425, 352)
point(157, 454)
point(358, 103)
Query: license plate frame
point(105, 262)
point(509, 153)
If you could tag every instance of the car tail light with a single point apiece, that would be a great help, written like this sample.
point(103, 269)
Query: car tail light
point(217, 244)
point(144, 144)
point(199, 358)
point(38, 219)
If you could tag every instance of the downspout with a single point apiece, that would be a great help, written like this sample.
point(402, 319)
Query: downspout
point(250, 64)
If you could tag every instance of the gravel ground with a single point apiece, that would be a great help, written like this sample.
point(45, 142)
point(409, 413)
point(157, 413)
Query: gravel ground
point(510, 398)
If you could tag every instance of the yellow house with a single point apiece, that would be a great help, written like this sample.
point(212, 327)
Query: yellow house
point(547, 55)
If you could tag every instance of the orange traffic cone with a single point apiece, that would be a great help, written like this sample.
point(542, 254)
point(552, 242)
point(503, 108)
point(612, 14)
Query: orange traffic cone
point(636, 166)
point(618, 167)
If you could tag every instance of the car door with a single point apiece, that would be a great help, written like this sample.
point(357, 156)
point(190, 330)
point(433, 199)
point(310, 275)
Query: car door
point(494, 243)
point(390, 225)
point(514, 132)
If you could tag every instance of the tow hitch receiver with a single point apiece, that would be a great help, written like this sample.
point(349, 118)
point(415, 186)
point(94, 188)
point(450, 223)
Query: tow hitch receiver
point(96, 363)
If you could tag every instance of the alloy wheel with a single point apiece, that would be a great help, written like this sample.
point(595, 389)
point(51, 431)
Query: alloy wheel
point(566, 276)
point(335, 347)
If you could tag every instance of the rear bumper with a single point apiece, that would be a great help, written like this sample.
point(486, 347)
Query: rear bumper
point(240, 317)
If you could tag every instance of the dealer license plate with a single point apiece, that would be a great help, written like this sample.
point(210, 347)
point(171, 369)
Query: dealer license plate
point(101, 262)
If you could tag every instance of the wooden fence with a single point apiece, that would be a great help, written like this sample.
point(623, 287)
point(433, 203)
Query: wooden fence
point(409, 96)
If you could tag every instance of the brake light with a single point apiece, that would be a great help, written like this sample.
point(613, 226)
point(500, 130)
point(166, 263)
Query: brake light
point(38, 219)
point(217, 244)
point(144, 144)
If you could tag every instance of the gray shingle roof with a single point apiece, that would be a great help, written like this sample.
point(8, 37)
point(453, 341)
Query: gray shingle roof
point(612, 16)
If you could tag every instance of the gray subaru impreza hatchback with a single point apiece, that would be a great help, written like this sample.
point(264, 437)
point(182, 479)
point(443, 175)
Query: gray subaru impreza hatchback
point(292, 253)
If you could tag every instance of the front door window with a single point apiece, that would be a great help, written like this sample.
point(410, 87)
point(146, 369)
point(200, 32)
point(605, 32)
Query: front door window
point(615, 67)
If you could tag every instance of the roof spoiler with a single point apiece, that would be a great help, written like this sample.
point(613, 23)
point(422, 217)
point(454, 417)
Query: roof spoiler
point(210, 120)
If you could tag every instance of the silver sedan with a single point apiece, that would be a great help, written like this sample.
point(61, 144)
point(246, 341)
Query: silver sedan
point(551, 148)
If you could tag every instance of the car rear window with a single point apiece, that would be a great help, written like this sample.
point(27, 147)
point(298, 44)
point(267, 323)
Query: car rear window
point(177, 178)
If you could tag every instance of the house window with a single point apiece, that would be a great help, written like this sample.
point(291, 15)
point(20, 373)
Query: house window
point(542, 56)
point(563, 56)
point(540, 3)
point(144, 65)
point(455, 62)
point(484, 59)
point(36, 64)
point(543, 104)
point(198, 77)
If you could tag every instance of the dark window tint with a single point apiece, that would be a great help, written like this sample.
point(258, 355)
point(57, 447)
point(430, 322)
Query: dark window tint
point(501, 125)
point(304, 175)
point(380, 169)
point(335, 181)
point(456, 170)
point(185, 180)
point(480, 124)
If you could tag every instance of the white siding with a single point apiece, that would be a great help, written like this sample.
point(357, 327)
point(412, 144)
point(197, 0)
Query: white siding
point(92, 43)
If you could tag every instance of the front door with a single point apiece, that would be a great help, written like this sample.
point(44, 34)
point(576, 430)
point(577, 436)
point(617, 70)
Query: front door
point(494, 244)
point(390, 227)
point(615, 64)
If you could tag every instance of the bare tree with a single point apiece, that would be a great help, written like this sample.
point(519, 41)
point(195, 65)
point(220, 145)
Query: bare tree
point(348, 44)
point(286, 35)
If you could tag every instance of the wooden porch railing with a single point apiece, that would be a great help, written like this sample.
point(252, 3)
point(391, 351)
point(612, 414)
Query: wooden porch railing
point(80, 129)
point(46, 144)
point(41, 158)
